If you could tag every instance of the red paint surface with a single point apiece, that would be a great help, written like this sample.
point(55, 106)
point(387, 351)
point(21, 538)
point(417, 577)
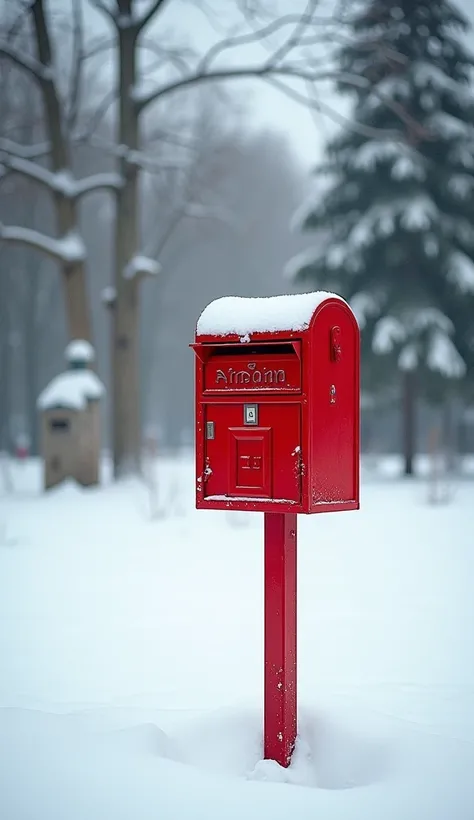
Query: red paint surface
point(249, 461)
point(305, 456)
point(280, 704)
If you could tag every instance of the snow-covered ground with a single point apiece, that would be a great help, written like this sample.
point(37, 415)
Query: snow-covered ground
point(131, 657)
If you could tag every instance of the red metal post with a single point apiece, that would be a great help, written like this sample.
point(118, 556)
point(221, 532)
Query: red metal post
point(280, 637)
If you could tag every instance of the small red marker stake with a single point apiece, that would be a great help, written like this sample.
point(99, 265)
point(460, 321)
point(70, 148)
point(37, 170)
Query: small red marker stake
point(280, 637)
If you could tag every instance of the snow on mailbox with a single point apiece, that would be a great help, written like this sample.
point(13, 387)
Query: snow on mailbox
point(277, 404)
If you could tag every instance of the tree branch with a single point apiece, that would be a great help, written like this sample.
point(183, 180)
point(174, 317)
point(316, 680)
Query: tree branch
point(77, 60)
point(174, 56)
point(250, 71)
point(54, 248)
point(33, 67)
point(147, 16)
point(30, 170)
point(100, 45)
point(296, 34)
point(257, 35)
point(98, 115)
point(316, 104)
point(104, 9)
point(16, 149)
point(97, 182)
point(136, 158)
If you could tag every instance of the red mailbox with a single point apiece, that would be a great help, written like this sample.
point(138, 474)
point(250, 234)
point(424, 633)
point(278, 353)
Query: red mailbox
point(277, 431)
point(277, 404)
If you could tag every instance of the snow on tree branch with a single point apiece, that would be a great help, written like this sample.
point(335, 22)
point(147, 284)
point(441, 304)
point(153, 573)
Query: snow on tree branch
point(141, 266)
point(97, 182)
point(109, 296)
point(60, 182)
point(443, 357)
point(24, 151)
point(68, 250)
point(461, 272)
point(139, 159)
point(199, 210)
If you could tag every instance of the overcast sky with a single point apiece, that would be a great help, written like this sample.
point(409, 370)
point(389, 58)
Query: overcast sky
point(267, 106)
point(183, 22)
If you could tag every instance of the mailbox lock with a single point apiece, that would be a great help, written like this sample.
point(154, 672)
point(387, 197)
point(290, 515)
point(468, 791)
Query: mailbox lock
point(250, 414)
point(209, 430)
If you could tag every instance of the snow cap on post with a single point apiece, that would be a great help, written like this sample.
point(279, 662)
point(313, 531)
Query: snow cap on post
point(244, 316)
point(79, 353)
point(76, 387)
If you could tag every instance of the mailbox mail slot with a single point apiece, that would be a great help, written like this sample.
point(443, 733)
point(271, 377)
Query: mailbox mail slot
point(277, 405)
point(241, 368)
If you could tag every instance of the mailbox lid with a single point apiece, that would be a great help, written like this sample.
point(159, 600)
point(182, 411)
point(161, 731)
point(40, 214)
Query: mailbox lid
point(270, 367)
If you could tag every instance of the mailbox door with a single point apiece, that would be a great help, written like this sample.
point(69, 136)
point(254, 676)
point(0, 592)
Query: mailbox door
point(335, 409)
point(252, 451)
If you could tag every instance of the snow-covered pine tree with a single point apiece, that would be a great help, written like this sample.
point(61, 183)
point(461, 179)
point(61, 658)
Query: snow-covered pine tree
point(393, 218)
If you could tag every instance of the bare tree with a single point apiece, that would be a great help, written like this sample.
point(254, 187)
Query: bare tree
point(57, 176)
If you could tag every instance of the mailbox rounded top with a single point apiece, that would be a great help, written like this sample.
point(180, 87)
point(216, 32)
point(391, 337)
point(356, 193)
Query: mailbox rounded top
point(245, 316)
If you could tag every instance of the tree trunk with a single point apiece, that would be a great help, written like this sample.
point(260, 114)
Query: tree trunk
point(76, 301)
point(31, 347)
point(126, 405)
point(5, 365)
point(67, 210)
point(409, 421)
point(448, 432)
point(126, 313)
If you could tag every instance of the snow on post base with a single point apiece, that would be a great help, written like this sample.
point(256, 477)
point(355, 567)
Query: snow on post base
point(245, 315)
